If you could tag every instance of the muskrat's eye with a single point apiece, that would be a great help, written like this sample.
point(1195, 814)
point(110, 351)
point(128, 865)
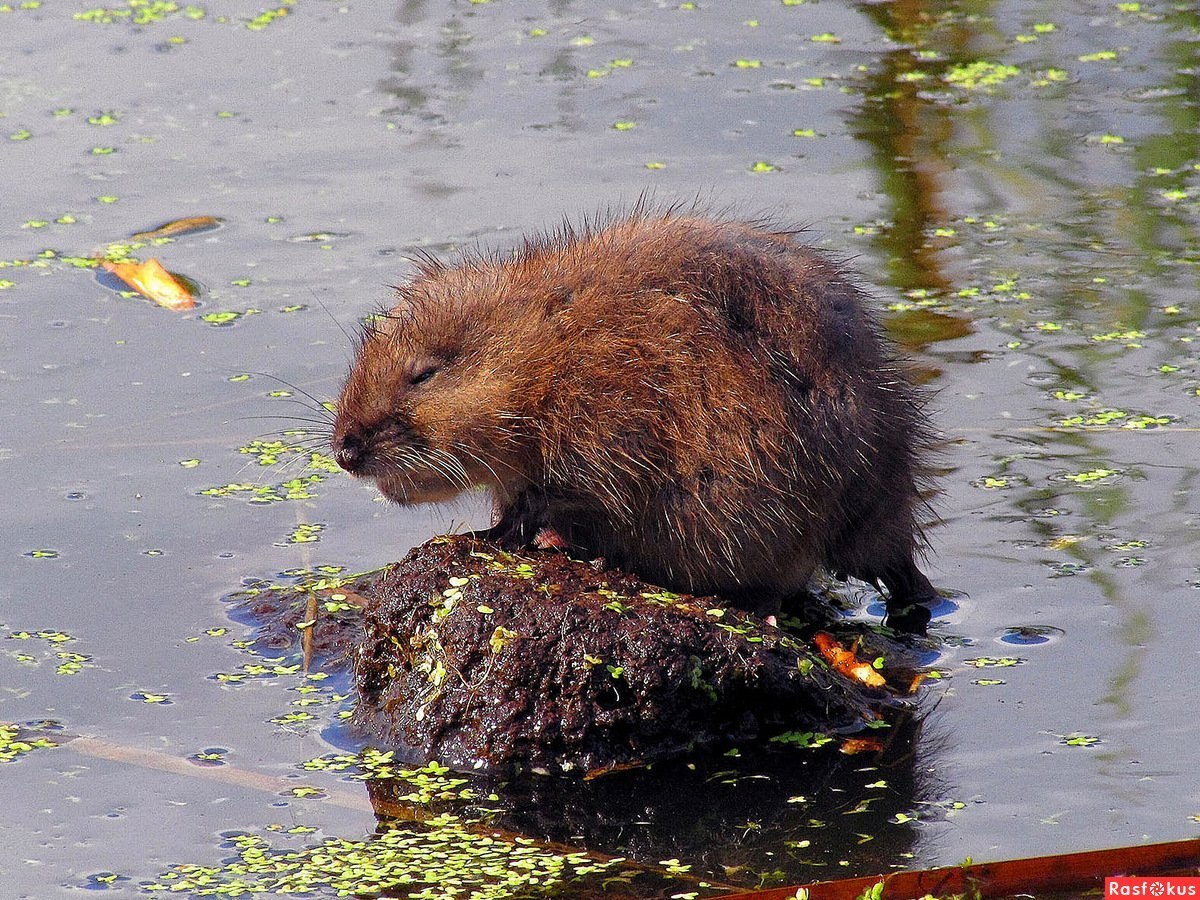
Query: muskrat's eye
point(422, 375)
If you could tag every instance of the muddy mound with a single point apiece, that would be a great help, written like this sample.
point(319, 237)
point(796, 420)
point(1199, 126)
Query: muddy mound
point(486, 659)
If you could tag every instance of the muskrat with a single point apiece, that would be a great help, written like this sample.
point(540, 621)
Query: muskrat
point(707, 404)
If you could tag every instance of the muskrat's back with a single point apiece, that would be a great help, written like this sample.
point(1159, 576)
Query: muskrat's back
point(708, 404)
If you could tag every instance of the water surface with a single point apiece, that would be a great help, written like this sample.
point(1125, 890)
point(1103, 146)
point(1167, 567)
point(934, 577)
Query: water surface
point(1017, 184)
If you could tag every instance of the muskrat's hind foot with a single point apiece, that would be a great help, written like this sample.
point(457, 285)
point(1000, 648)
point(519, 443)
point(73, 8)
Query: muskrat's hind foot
point(910, 597)
point(911, 619)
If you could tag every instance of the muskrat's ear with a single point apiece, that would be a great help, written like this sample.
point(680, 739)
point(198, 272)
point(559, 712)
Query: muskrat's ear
point(556, 300)
point(563, 295)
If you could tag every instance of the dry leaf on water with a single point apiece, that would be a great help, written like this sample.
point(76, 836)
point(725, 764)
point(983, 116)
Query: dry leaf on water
point(846, 662)
point(151, 280)
point(853, 745)
point(180, 227)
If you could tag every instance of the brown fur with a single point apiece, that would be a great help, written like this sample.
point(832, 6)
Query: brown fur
point(708, 404)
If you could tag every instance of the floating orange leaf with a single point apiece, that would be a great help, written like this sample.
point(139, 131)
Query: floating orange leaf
point(916, 682)
point(846, 662)
point(850, 746)
point(151, 280)
point(602, 771)
point(178, 227)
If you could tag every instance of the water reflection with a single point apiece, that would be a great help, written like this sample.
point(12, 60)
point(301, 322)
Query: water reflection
point(1059, 202)
point(908, 136)
point(745, 818)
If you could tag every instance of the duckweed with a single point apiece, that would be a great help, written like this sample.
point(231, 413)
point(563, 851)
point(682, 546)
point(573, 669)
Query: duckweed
point(992, 662)
point(1092, 475)
point(808, 740)
point(432, 782)
point(980, 75)
point(304, 533)
point(221, 319)
point(292, 489)
point(13, 746)
point(445, 857)
point(67, 662)
point(1099, 56)
point(139, 12)
point(263, 19)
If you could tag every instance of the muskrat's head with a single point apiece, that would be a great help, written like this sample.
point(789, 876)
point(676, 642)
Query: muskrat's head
point(441, 392)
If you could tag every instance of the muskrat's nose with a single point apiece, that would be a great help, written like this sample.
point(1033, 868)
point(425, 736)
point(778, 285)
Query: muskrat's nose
point(350, 452)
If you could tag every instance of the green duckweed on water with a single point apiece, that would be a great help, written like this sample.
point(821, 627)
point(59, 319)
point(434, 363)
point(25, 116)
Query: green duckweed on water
point(152, 12)
point(13, 746)
point(990, 662)
point(305, 533)
point(1080, 740)
point(316, 466)
point(66, 662)
point(443, 857)
point(979, 75)
point(447, 855)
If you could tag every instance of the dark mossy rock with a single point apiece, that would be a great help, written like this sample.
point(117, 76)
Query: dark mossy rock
point(486, 659)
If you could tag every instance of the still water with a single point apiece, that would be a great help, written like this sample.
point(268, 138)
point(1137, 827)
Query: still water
point(1017, 183)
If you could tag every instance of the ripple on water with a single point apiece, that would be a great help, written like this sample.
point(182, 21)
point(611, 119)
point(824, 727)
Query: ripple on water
point(1030, 635)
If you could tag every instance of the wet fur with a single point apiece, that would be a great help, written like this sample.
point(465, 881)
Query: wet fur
point(708, 404)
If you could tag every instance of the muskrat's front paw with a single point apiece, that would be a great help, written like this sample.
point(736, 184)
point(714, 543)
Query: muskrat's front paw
point(501, 535)
point(549, 539)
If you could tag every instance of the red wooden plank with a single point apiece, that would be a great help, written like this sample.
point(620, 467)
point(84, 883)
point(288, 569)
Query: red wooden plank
point(1038, 874)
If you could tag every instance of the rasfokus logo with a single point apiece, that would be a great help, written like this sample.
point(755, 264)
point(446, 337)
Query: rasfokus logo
point(1153, 888)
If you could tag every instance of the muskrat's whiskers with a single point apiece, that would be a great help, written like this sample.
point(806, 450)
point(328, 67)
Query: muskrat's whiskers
point(306, 400)
point(313, 417)
point(342, 328)
point(452, 467)
point(308, 440)
point(300, 426)
point(317, 414)
point(405, 461)
point(309, 433)
point(443, 464)
point(432, 461)
point(471, 454)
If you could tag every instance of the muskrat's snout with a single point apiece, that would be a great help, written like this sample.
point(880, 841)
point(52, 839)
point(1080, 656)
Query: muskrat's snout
point(350, 452)
point(363, 451)
point(398, 458)
point(348, 443)
point(356, 445)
